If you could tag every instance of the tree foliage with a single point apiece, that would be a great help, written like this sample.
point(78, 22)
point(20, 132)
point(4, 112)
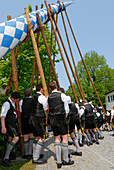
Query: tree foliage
point(102, 77)
point(25, 62)
point(24, 65)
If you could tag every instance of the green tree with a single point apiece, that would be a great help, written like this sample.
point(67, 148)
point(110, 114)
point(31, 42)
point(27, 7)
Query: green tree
point(25, 62)
point(102, 77)
point(25, 68)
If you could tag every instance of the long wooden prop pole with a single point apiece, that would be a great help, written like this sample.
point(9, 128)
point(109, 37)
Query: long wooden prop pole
point(61, 52)
point(77, 82)
point(14, 76)
point(11, 75)
point(47, 48)
point(50, 63)
point(53, 61)
point(64, 48)
point(36, 53)
point(37, 40)
point(17, 103)
point(14, 70)
point(51, 50)
point(83, 61)
point(33, 74)
point(37, 71)
point(55, 42)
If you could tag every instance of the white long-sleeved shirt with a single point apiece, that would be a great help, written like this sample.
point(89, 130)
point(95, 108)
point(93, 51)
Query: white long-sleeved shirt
point(81, 111)
point(112, 112)
point(43, 100)
point(6, 107)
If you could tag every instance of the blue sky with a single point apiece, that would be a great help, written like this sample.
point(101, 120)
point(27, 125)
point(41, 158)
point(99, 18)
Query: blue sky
point(92, 22)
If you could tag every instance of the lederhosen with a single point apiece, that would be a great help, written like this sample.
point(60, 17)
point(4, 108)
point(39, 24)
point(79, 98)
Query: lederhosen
point(74, 118)
point(83, 120)
point(89, 117)
point(108, 118)
point(95, 119)
point(26, 111)
point(100, 121)
point(37, 117)
point(10, 121)
point(57, 114)
point(113, 122)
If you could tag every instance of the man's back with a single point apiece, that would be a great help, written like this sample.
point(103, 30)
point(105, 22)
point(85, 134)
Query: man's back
point(56, 105)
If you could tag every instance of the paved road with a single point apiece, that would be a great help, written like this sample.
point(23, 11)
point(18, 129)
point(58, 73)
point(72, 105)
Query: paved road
point(95, 157)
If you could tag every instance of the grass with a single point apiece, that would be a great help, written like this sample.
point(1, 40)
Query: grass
point(21, 165)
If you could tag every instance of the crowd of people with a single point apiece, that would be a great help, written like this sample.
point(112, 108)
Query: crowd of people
point(62, 114)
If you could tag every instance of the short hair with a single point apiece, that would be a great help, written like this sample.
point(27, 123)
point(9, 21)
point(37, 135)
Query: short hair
point(84, 101)
point(53, 85)
point(61, 89)
point(15, 95)
point(27, 92)
point(39, 87)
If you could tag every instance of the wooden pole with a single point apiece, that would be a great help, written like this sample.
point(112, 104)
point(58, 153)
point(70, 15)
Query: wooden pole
point(37, 77)
point(14, 72)
point(77, 82)
point(51, 50)
point(61, 53)
point(83, 61)
point(33, 75)
point(64, 48)
point(55, 42)
point(38, 36)
point(50, 63)
point(17, 103)
point(37, 71)
point(47, 49)
point(11, 75)
point(36, 53)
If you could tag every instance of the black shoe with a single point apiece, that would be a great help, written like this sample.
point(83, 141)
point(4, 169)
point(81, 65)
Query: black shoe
point(101, 137)
point(6, 162)
point(93, 140)
point(77, 153)
point(88, 143)
point(29, 157)
point(97, 142)
point(91, 143)
point(81, 144)
point(25, 156)
point(12, 157)
point(59, 165)
point(70, 143)
point(113, 135)
point(69, 156)
point(39, 161)
point(41, 156)
point(68, 163)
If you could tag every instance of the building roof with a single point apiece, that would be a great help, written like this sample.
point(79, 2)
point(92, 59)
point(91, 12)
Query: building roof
point(109, 92)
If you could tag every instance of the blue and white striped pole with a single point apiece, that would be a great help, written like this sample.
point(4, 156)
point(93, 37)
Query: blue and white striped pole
point(13, 32)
